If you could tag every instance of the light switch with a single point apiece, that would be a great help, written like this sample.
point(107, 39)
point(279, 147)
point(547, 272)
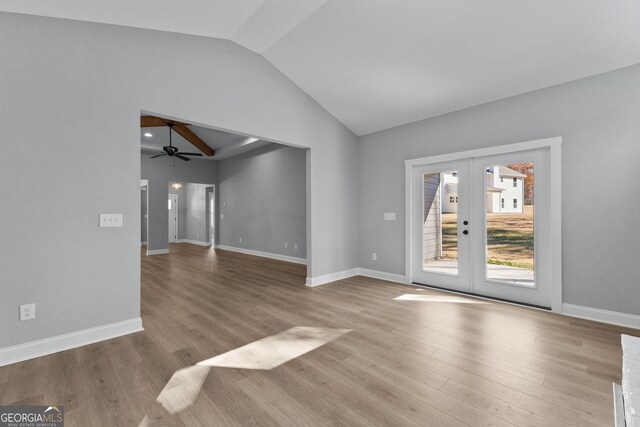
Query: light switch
point(390, 216)
point(110, 220)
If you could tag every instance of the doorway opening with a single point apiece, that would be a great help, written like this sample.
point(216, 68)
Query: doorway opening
point(191, 208)
point(252, 198)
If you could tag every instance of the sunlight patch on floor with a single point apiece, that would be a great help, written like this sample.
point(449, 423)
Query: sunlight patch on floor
point(438, 298)
point(272, 351)
point(183, 388)
point(267, 353)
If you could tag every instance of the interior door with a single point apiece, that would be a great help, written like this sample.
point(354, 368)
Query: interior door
point(512, 217)
point(441, 231)
point(173, 217)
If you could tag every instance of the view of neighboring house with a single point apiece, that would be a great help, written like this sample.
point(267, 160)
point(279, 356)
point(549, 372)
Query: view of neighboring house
point(450, 194)
point(505, 191)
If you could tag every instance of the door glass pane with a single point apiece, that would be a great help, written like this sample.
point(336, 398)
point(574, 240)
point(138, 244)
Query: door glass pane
point(440, 222)
point(510, 254)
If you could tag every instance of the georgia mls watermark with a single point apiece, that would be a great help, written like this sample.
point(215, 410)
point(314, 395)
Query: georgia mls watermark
point(31, 416)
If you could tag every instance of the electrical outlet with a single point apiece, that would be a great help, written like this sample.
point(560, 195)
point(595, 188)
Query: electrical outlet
point(286, 245)
point(27, 312)
point(241, 240)
point(374, 256)
point(295, 247)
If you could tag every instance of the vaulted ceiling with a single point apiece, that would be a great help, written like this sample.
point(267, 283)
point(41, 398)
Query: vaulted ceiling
point(376, 64)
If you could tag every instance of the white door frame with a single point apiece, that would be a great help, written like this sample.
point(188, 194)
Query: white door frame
point(177, 222)
point(145, 183)
point(555, 196)
point(211, 213)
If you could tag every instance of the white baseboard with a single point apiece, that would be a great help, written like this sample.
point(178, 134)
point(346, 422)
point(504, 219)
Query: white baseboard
point(600, 315)
point(157, 251)
point(33, 349)
point(193, 242)
point(390, 277)
point(332, 277)
point(263, 254)
point(328, 278)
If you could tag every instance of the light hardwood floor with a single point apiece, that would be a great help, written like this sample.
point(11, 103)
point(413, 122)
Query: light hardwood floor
point(405, 362)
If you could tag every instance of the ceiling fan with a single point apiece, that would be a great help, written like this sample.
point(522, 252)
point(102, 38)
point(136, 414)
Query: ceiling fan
point(183, 130)
point(171, 151)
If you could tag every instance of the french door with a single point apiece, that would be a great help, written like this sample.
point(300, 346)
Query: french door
point(441, 198)
point(482, 225)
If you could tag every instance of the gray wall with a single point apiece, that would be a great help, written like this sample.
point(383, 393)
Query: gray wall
point(597, 117)
point(86, 83)
point(196, 212)
point(160, 172)
point(262, 195)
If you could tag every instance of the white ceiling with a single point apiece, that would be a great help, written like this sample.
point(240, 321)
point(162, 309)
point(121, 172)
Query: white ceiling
point(224, 144)
point(376, 64)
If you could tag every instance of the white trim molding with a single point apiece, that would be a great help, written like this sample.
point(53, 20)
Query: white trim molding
point(193, 242)
point(600, 315)
point(157, 251)
point(279, 257)
point(555, 170)
point(488, 151)
point(331, 277)
point(382, 275)
point(33, 349)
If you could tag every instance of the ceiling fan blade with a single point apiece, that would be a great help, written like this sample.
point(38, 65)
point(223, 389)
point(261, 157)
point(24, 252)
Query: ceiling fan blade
point(194, 139)
point(158, 155)
point(191, 154)
point(182, 157)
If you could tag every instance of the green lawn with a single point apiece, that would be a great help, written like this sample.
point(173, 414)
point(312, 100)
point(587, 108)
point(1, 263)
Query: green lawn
point(509, 238)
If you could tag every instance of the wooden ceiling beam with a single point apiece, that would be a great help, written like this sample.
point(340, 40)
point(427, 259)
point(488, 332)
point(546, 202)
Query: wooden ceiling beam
point(180, 128)
point(151, 122)
point(194, 139)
